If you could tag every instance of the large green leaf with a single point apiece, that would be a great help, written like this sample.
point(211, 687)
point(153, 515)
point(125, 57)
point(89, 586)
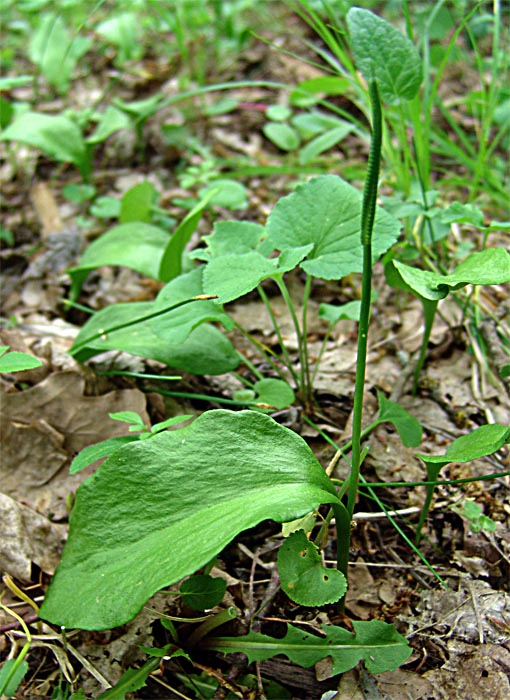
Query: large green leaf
point(206, 350)
point(160, 331)
point(55, 135)
point(160, 509)
point(489, 266)
point(136, 245)
point(326, 212)
point(383, 54)
point(375, 642)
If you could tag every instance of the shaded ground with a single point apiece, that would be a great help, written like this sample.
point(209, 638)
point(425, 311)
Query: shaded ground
point(459, 633)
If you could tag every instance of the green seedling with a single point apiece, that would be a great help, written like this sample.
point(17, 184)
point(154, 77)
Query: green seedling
point(55, 135)
point(100, 450)
point(311, 133)
point(473, 513)
point(124, 31)
point(16, 361)
point(55, 52)
point(490, 266)
point(483, 441)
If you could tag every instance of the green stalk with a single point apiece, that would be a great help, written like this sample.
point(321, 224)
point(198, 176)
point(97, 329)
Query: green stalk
point(367, 225)
point(429, 314)
point(305, 367)
point(285, 353)
point(299, 334)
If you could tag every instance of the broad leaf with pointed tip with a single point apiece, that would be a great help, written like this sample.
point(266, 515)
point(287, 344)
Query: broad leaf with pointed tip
point(55, 135)
point(383, 54)
point(326, 212)
point(159, 509)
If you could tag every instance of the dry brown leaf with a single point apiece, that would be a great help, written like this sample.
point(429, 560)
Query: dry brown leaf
point(45, 426)
point(28, 537)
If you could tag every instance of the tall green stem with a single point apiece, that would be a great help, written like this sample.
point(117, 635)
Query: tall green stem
point(367, 225)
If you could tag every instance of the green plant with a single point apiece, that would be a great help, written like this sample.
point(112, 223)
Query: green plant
point(228, 471)
point(16, 361)
point(473, 513)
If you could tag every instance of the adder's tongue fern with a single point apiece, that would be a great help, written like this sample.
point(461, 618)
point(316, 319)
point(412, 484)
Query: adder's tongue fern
point(367, 225)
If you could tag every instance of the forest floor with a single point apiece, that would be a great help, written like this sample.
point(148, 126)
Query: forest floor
point(459, 629)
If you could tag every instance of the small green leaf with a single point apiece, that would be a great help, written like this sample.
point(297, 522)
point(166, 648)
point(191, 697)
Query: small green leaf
point(17, 361)
point(274, 392)
point(202, 592)
point(278, 113)
point(158, 510)
point(323, 142)
point(408, 427)
point(375, 642)
point(303, 576)
point(11, 675)
point(170, 265)
point(169, 422)
point(137, 203)
point(105, 208)
point(92, 453)
point(136, 245)
point(282, 135)
point(483, 441)
point(504, 372)
point(332, 313)
point(227, 193)
point(128, 417)
point(55, 135)
point(110, 121)
point(383, 54)
point(490, 266)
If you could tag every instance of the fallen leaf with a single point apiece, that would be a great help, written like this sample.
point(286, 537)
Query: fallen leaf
point(28, 536)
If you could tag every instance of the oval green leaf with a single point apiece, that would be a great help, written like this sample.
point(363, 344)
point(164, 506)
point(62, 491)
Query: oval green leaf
point(157, 510)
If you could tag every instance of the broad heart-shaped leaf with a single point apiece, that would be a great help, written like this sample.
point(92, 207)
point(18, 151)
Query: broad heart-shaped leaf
point(232, 238)
point(326, 211)
point(408, 427)
point(489, 266)
point(383, 54)
point(157, 510)
point(136, 245)
point(55, 135)
point(202, 592)
point(375, 642)
point(303, 576)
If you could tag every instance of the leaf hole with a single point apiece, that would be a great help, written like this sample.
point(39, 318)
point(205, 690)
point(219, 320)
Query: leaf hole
point(303, 553)
point(325, 577)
